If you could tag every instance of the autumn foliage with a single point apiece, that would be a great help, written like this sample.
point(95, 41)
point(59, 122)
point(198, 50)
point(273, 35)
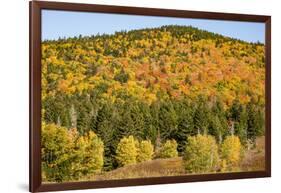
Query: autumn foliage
point(169, 149)
point(231, 151)
point(67, 156)
point(127, 151)
point(110, 101)
point(145, 151)
point(201, 154)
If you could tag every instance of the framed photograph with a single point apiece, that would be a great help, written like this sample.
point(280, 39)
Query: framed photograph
point(126, 96)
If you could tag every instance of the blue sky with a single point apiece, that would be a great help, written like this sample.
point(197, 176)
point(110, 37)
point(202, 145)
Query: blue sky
point(57, 24)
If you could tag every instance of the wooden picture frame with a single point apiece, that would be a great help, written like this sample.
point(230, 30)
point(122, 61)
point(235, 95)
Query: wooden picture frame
point(35, 178)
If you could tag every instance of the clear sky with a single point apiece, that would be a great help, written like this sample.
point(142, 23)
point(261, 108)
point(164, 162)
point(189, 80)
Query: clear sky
point(57, 24)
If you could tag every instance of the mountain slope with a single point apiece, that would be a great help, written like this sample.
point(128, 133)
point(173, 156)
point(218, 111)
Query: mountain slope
point(154, 84)
point(170, 61)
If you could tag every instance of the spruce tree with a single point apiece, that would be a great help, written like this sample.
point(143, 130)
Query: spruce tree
point(201, 117)
point(255, 121)
point(104, 126)
point(168, 119)
point(185, 123)
point(239, 115)
point(218, 122)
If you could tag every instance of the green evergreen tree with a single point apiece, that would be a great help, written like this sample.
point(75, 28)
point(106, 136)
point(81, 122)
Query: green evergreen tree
point(185, 126)
point(218, 121)
point(201, 117)
point(168, 119)
point(239, 114)
point(105, 127)
point(255, 122)
point(84, 114)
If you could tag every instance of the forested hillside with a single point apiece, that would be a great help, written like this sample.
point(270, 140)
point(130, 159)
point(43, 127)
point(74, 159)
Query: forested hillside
point(157, 84)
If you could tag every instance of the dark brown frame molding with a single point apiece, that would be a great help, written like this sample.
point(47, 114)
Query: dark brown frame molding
point(35, 181)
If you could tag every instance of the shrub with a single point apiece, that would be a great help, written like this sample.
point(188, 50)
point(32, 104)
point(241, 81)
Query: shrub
point(169, 149)
point(231, 151)
point(201, 154)
point(126, 152)
point(145, 151)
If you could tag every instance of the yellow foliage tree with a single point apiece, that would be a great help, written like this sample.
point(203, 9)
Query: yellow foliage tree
point(201, 154)
point(126, 152)
point(145, 151)
point(67, 156)
point(89, 150)
point(57, 149)
point(231, 149)
point(169, 149)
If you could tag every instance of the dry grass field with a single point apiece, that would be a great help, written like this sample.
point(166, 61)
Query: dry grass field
point(153, 168)
point(254, 159)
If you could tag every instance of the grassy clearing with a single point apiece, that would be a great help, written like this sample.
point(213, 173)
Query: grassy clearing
point(254, 159)
point(153, 168)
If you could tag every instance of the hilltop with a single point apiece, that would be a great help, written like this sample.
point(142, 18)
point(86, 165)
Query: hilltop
point(170, 61)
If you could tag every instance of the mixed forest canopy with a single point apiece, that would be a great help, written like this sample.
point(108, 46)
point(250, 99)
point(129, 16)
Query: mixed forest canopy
point(157, 84)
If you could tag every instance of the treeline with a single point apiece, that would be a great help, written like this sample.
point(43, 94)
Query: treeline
point(177, 31)
point(68, 156)
point(162, 120)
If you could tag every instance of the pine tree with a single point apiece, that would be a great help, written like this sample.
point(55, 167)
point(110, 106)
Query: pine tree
point(255, 122)
point(149, 130)
point(168, 119)
point(185, 123)
point(218, 122)
point(241, 127)
point(105, 127)
point(201, 117)
point(131, 120)
point(239, 115)
point(216, 129)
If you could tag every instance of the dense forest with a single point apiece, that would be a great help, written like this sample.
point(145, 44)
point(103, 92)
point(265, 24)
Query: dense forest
point(157, 85)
